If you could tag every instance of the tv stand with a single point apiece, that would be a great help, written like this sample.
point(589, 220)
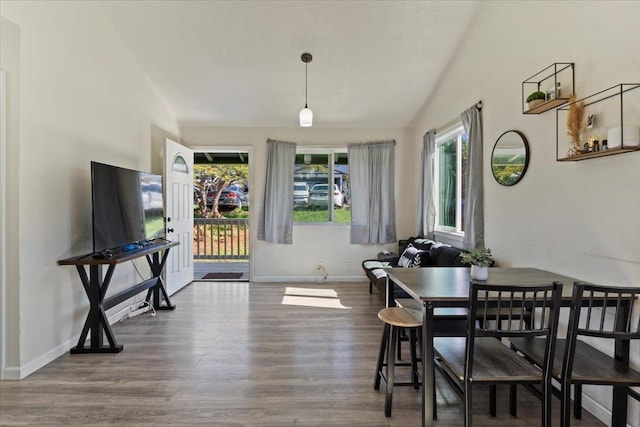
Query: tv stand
point(96, 286)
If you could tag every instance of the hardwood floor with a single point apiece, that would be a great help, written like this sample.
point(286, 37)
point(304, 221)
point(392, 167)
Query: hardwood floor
point(240, 354)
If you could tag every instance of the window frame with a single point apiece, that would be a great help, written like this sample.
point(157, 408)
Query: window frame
point(330, 152)
point(447, 234)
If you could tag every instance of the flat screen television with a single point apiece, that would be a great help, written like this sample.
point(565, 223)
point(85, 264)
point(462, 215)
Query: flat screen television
point(127, 207)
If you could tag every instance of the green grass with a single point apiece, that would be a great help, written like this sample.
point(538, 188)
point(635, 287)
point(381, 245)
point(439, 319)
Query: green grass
point(244, 213)
point(341, 216)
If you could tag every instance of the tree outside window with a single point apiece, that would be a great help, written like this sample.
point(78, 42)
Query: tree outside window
point(211, 180)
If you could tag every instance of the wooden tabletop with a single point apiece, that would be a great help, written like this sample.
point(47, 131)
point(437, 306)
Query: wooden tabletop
point(118, 258)
point(450, 285)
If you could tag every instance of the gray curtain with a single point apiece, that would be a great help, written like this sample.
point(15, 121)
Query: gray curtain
point(276, 220)
point(426, 204)
point(373, 215)
point(474, 204)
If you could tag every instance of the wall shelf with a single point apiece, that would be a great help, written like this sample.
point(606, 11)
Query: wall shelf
point(606, 115)
point(610, 152)
point(546, 106)
point(557, 75)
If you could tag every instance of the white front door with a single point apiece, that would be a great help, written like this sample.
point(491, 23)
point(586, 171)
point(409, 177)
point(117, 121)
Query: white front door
point(178, 172)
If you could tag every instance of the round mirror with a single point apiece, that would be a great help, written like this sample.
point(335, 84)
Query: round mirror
point(510, 157)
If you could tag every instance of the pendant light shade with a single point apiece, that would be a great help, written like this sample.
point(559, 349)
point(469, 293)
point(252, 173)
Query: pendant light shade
point(306, 115)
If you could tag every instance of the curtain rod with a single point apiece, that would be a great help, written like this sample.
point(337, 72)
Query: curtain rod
point(451, 122)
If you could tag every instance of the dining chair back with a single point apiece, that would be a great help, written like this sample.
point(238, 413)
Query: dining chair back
point(579, 362)
point(483, 357)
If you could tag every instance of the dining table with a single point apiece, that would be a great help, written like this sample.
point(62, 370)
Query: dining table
point(449, 287)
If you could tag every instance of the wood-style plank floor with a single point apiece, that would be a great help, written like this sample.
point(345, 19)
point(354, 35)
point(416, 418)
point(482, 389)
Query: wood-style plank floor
point(241, 354)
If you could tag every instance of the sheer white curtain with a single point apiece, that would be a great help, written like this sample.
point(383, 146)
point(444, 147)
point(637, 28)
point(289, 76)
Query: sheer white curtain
point(276, 220)
point(426, 204)
point(373, 215)
point(474, 203)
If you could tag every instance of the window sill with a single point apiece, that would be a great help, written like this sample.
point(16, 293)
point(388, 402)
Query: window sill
point(324, 223)
point(450, 238)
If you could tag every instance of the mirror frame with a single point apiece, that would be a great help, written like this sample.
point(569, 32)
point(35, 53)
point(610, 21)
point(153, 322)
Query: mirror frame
point(526, 157)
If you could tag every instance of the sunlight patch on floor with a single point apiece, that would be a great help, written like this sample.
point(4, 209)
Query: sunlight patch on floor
point(312, 297)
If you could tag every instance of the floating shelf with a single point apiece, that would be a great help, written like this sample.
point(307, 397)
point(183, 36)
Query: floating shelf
point(546, 106)
point(603, 153)
point(555, 74)
point(618, 98)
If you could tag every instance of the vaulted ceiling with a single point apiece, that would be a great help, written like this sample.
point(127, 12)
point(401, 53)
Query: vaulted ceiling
point(237, 63)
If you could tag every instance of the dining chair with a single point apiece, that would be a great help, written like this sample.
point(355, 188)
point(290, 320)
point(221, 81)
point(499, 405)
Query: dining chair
point(452, 322)
point(482, 357)
point(578, 362)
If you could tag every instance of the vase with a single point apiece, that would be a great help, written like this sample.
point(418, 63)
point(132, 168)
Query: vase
point(574, 148)
point(479, 272)
point(534, 103)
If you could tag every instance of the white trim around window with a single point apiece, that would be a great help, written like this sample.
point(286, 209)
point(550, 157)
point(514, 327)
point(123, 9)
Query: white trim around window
point(449, 234)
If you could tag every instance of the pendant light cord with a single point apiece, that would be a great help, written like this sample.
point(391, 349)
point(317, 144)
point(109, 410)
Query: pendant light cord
point(305, 84)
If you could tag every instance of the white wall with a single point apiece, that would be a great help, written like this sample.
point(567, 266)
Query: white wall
point(9, 313)
point(328, 243)
point(80, 97)
point(578, 218)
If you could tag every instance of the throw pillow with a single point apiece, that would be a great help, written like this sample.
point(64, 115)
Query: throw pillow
point(378, 273)
point(420, 243)
point(411, 257)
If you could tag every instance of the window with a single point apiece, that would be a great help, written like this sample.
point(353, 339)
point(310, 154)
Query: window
point(450, 179)
point(321, 189)
point(179, 164)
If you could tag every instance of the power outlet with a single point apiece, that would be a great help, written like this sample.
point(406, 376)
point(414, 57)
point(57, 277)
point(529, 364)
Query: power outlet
point(347, 266)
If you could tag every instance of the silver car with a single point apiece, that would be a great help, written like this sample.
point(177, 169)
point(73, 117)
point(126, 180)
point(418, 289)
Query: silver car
point(319, 195)
point(300, 193)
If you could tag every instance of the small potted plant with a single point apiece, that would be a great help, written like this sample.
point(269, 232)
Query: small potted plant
point(480, 259)
point(535, 99)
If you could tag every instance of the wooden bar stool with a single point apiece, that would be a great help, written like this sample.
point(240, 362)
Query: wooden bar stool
point(396, 319)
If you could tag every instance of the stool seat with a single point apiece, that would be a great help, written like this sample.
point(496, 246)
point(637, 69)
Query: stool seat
point(399, 317)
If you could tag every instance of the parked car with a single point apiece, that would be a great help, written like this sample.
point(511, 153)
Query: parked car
point(318, 196)
point(300, 193)
point(232, 197)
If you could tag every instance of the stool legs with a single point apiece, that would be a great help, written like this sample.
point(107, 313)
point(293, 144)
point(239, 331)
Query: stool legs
point(414, 359)
point(388, 348)
point(383, 345)
point(391, 364)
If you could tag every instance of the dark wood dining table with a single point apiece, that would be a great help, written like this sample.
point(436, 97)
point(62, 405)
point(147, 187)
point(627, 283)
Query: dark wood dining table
point(449, 287)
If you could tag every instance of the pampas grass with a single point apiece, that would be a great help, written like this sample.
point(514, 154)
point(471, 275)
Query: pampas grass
point(574, 124)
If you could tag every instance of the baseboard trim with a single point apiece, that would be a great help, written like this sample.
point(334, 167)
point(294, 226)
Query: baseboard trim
point(21, 372)
point(48, 357)
point(596, 409)
point(10, 374)
point(314, 279)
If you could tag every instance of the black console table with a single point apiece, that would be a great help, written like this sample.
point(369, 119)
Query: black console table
point(96, 286)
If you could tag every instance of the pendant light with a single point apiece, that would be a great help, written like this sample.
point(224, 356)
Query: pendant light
point(306, 115)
